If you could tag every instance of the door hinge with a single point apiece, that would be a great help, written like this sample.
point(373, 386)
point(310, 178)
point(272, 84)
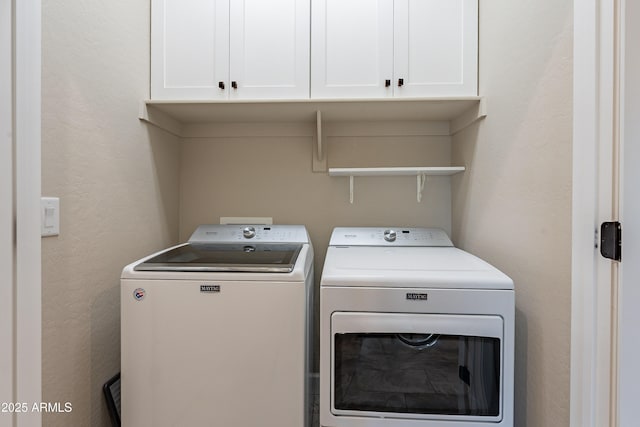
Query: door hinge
point(611, 240)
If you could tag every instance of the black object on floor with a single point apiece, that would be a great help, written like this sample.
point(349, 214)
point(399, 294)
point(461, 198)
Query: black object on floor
point(111, 391)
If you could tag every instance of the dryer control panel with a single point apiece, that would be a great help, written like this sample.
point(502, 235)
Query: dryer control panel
point(389, 236)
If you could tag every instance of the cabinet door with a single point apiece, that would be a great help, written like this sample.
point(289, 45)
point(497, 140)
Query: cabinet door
point(189, 49)
point(351, 48)
point(269, 56)
point(436, 47)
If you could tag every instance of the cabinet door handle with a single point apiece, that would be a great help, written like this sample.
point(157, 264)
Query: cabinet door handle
point(400, 82)
point(234, 85)
point(387, 83)
point(221, 85)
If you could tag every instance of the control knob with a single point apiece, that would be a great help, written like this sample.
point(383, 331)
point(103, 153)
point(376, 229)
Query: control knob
point(249, 232)
point(390, 235)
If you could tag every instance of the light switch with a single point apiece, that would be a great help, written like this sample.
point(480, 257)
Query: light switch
point(49, 216)
point(49, 212)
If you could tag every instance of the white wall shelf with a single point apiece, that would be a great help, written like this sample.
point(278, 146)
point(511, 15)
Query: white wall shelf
point(396, 171)
point(420, 173)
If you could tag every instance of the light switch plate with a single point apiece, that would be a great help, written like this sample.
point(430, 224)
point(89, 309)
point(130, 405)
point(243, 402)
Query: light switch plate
point(49, 216)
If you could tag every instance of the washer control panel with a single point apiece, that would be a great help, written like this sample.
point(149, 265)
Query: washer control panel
point(389, 236)
point(231, 233)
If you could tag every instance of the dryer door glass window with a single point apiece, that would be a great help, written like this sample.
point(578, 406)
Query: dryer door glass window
point(417, 365)
point(417, 373)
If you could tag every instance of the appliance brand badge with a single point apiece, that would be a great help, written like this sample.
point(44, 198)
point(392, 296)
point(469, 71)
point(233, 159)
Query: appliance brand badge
point(209, 288)
point(139, 294)
point(417, 297)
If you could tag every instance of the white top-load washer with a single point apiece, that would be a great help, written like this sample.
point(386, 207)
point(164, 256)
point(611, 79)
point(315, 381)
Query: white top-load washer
point(413, 333)
point(216, 331)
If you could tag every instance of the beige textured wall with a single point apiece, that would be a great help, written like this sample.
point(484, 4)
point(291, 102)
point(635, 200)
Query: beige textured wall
point(117, 180)
point(513, 206)
point(272, 177)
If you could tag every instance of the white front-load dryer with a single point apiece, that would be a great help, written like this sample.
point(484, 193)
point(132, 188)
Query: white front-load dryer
point(216, 332)
point(413, 333)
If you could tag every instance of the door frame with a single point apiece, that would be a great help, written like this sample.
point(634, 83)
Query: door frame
point(6, 209)
point(594, 294)
point(629, 294)
point(20, 67)
point(28, 271)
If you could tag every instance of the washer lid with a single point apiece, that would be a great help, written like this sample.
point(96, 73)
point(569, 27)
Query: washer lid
point(257, 257)
point(437, 267)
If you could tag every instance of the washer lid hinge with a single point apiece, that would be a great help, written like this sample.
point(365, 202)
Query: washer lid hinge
point(611, 240)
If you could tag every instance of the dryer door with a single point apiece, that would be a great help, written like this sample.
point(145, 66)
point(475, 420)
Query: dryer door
point(417, 366)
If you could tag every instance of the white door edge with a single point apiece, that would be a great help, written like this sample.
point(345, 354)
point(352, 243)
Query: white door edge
point(594, 278)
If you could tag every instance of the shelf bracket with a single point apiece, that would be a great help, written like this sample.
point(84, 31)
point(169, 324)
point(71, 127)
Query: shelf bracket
point(149, 114)
point(319, 134)
point(320, 149)
point(351, 189)
point(469, 117)
point(421, 179)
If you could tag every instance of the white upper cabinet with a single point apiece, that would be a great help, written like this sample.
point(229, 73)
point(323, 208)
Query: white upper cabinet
point(269, 56)
point(436, 47)
point(394, 48)
point(259, 49)
point(189, 49)
point(351, 48)
point(230, 49)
